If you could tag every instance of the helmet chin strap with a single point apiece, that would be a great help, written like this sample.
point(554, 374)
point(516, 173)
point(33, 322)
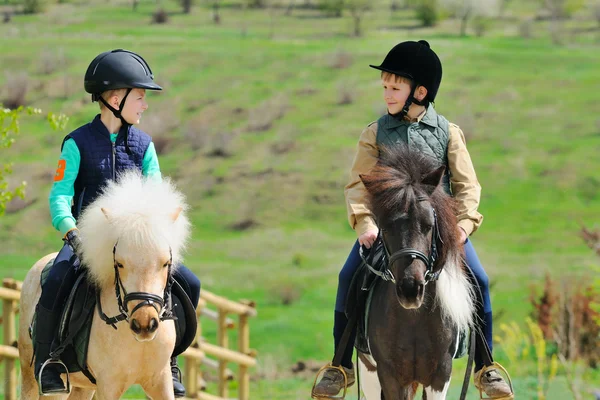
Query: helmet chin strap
point(117, 113)
point(410, 100)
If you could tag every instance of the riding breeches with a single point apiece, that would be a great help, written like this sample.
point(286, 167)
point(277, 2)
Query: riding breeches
point(189, 282)
point(345, 278)
point(60, 280)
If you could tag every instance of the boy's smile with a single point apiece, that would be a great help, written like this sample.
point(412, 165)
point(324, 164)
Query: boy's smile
point(135, 105)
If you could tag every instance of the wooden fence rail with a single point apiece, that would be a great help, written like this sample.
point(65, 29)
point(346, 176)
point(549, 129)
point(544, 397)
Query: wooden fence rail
point(195, 356)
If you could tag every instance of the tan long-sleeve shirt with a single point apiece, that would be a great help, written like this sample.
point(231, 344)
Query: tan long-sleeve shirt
point(463, 181)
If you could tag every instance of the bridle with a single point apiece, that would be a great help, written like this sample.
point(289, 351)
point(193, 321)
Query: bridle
point(389, 259)
point(163, 305)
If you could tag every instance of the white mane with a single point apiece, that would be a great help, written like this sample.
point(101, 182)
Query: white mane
point(139, 208)
point(455, 294)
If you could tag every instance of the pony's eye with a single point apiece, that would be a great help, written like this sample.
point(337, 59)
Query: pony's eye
point(119, 265)
point(167, 264)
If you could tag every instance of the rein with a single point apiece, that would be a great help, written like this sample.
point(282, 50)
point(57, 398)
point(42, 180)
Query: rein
point(163, 305)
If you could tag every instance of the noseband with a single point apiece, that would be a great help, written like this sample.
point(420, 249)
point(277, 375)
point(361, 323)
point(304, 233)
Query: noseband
point(388, 260)
point(163, 305)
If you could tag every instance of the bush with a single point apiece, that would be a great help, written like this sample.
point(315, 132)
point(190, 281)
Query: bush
point(525, 28)
point(15, 90)
point(565, 316)
point(332, 8)
point(341, 60)
point(33, 6)
point(481, 25)
point(51, 60)
point(427, 12)
point(262, 117)
point(346, 93)
point(160, 16)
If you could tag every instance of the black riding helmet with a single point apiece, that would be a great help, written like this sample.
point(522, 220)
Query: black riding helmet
point(417, 62)
point(118, 69)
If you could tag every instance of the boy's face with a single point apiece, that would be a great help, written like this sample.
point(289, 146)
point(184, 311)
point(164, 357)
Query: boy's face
point(395, 94)
point(134, 106)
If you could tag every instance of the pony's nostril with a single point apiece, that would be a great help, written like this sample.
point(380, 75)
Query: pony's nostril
point(421, 289)
point(153, 325)
point(135, 326)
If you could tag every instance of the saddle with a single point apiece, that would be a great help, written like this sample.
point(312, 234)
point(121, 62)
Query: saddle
point(365, 281)
point(70, 344)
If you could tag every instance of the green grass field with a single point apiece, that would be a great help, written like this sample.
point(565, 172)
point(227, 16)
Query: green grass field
point(265, 88)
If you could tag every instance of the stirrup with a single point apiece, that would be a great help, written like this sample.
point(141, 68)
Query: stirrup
point(324, 369)
point(511, 396)
point(66, 390)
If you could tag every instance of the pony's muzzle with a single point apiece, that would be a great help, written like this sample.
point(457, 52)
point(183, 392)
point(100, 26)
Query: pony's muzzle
point(410, 292)
point(137, 328)
point(144, 323)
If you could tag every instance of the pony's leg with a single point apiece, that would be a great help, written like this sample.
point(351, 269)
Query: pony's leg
point(29, 387)
point(81, 394)
point(369, 382)
point(393, 390)
point(160, 388)
point(431, 394)
point(109, 392)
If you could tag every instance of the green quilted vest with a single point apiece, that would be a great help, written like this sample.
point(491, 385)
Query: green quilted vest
point(429, 136)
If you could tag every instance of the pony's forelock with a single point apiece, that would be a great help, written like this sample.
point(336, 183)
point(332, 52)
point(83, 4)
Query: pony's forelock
point(138, 208)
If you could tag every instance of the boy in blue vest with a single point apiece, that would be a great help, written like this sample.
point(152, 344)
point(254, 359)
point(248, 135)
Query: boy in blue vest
point(90, 156)
point(411, 74)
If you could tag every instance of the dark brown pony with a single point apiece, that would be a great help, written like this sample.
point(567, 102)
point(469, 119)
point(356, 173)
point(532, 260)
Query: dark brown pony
point(415, 316)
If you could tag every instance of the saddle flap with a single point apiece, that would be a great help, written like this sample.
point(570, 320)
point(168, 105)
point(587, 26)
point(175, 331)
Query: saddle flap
point(186, 324)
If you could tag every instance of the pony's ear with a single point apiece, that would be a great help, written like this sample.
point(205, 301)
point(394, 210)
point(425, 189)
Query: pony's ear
point(106, 213)
point(175, 214)
point(433, 179)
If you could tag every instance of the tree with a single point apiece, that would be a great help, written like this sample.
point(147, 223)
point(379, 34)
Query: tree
point(357, 9)
point(558, 10)
point(9, 129)
point(467, 9)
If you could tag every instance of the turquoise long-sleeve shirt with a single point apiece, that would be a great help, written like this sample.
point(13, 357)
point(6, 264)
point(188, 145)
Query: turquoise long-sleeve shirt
point(63, 190)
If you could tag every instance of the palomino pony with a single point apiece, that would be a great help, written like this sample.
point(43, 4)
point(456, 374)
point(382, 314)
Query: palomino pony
point(416, 315)
point(134, 232)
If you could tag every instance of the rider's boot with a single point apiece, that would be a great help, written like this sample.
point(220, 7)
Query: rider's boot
point(46, 322)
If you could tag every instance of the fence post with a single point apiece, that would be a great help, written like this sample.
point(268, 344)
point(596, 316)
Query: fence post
point(10, 372)
point(244, 348)
point(223, 341)
point(191, 364)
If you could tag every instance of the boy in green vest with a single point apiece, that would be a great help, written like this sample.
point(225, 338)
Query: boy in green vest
point(411, 75)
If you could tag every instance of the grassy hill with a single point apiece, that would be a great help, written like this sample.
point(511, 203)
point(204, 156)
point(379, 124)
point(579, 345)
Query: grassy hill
point(258, 124)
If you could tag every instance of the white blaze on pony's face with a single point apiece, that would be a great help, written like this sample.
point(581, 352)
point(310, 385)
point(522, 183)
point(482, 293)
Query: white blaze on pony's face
point(143, 270)
point(144, 222)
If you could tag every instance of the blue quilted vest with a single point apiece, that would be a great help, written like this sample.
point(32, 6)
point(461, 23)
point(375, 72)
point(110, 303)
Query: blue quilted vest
point(102, 160)
point(429, 136)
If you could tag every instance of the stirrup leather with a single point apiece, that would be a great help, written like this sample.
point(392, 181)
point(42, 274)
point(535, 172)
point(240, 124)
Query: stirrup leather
point(479, 386)
point(67, 389)
point(323, 370)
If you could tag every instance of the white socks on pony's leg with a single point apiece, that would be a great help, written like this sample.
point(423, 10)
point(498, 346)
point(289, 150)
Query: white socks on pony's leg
point(369, 382)
point(435, 395)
